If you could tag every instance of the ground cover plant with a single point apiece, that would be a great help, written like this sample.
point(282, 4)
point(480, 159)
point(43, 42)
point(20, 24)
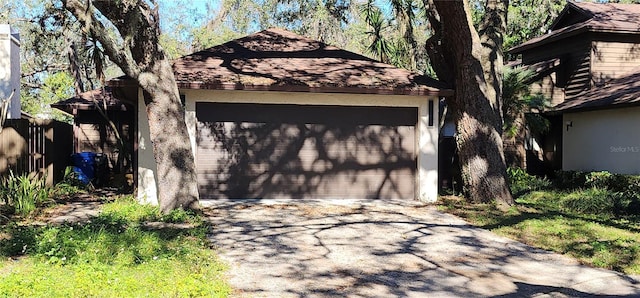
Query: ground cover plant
point(129, 250)
point(26, 193)
point(23, 193)
point(592, 217)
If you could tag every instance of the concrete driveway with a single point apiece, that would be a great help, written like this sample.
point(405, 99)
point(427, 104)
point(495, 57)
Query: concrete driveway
point(387, 249)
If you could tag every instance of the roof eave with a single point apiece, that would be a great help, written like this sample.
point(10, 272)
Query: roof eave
point(121, 82)
point(319, 89)
point(87, 107)
point(551, 38)
point(589, 108)
point(570, 5)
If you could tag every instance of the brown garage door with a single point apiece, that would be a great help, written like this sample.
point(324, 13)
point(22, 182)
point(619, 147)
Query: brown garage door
point(299, 151)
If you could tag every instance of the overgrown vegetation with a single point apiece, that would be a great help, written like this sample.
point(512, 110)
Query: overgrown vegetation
point(600, 193)
point(591, 216)
point(117, 254)
point(23, 194)
point(522, 182)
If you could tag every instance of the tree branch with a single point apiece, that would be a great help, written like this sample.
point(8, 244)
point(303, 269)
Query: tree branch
point(433, 45)
point(48, 67)
point(118, 54)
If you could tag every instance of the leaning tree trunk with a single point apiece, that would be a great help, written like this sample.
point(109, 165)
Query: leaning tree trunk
point(137, 52)
point(168, 132)
point(476, 105)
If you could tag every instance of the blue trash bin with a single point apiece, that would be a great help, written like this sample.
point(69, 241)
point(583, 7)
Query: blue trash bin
point(85, 163)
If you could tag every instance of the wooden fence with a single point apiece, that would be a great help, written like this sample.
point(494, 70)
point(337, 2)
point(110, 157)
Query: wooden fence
point(36, 147)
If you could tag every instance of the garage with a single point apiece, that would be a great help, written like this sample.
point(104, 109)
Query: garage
point(276, 115)
point(305, 151)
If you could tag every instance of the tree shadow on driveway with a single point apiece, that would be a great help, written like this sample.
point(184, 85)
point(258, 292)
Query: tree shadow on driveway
point(387, 249)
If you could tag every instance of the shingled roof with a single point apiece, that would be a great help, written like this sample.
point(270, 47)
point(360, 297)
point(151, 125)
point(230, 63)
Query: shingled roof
point(620, 92)
point(594, 17)
point(90, 100)
point(278, 60)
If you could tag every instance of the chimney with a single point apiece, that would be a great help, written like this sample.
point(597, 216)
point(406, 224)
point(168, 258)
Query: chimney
point(10, 70)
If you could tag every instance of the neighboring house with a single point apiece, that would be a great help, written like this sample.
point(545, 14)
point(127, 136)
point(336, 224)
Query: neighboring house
point(588, 61)
point(277, 115)
point(602, 127)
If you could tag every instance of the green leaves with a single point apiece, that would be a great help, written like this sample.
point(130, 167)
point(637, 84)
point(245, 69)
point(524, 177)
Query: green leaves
point(24, 193)
point(518, 102)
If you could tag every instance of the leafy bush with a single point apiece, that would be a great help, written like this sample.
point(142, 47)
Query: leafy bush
point(623, 189)
point(629, 188)
point(569, 180)
point(521, 182)
point(24, 193)
point(591, 201)
point(601, 179)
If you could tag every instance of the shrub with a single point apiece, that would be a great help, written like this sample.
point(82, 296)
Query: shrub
point(601, 179)
point(591, 201)
point(570, 179)
point(624, 189)
point(521, 182)
point(630, 191)
point(70, 184)
point(24, 193)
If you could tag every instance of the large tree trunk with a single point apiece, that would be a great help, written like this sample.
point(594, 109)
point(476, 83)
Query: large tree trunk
point(171, 147)
point(137, 52)
point(474, 71)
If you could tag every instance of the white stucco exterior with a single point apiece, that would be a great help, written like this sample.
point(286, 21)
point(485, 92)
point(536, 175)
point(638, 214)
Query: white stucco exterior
point(426, 135)
point(147, 167)
point(603, 140)
point(10, 69)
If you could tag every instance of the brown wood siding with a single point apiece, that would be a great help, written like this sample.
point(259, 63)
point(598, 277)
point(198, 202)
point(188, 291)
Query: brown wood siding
point(611, 59)
point(94, 134)
point(547, 86)
point(578, 73)
point(291, 151)
point(573, 74)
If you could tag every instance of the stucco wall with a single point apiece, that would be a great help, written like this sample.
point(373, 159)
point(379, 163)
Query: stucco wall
point(605, 140)
point(426, 138)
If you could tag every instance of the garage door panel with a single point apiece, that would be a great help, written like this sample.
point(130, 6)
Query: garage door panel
point(344, 116)
point(242, 159)
point(301, 186)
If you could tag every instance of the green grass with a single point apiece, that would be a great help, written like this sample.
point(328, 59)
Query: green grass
point(114, 255)
point(548, 220)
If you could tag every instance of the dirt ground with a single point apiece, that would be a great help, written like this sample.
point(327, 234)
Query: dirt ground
point(78, 208)
point(387, 249)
